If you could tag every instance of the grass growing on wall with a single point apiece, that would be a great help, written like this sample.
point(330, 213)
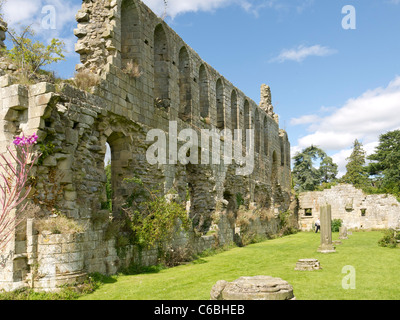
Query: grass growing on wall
point(376, 271)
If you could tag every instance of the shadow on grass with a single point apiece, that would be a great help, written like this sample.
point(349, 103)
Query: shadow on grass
point(137, 269)
point(101, 278)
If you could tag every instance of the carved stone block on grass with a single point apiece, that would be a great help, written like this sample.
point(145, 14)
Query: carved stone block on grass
point(253, 288)
point(308, 265)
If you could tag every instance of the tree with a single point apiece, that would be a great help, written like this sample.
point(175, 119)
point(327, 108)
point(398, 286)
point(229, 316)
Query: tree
point(385, 165)
point(306, 175)
point(329, 170)
point(32, 55)
point(357, 173)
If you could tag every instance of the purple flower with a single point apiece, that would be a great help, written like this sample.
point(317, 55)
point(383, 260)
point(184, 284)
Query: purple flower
point(22, 141)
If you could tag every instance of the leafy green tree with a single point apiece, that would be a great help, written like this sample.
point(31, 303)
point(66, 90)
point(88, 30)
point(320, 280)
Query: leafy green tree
point(357, 173)
point(306, 175)
point(385, 162)
point(32, 55)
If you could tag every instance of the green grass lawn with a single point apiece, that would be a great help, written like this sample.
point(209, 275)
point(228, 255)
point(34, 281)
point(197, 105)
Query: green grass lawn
point(377, 271)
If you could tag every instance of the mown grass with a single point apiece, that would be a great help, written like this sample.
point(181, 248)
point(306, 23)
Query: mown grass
point(376, 271)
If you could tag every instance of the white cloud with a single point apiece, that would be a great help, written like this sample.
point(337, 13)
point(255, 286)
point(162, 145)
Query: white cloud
point(302, 52)
point(364, 118)
point(307, 119)
point(172, 8)
point(175, 7)
point(22, 13)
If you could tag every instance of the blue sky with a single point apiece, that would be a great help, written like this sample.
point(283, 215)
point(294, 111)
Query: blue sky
point(330, 85)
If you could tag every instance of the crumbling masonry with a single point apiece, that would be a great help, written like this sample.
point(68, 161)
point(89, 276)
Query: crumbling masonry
point(147, 77)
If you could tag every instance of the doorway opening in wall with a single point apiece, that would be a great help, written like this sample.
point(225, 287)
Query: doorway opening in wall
point(308, 212)
point(107, 167)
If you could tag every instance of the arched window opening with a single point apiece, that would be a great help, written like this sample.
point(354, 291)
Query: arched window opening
point(161, 68)
point(204, 93)
point(117, 148)
point(129, 34)
point(257, 131)
point(247, 119)
point(234, 111)
point(274, 171)
point(185, 89)
point(220, 105)
point(107, 203)
point(266, 142)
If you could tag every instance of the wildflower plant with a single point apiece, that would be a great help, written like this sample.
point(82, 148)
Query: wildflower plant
point(15, 168)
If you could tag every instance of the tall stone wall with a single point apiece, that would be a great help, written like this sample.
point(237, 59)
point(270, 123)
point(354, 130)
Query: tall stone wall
point(147, 78)
point(356, 209)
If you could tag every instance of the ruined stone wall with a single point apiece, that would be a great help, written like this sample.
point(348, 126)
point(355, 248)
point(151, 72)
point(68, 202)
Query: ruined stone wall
point(147, 78)
point(353, 206)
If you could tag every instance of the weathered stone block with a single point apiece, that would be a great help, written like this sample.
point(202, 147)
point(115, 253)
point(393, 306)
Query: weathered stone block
point(308, 265)
point(50, 161)
point(70, 195)
point(71, 136)
point(82, 16)
point(41, 88)
point(17, 102)
point(253, 288)
point(6, 80)
point(42, 111)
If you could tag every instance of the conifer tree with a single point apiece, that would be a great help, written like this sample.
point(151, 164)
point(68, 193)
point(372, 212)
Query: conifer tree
point(385, 165)
point(357, 173)
point(307, 176)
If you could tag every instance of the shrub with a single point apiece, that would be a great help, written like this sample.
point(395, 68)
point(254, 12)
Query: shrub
point(151, 217)
point(284, 221)
point(85, 80)
point(172, 257)
point(132, 69)
point(59, 225)
point(389, 239)
point(336, 224)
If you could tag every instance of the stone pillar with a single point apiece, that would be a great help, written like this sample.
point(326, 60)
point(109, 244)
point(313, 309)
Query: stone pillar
point(326, 230)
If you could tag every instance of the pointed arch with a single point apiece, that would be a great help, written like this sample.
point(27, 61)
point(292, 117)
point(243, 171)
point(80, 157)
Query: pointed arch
point(130, 30)
point(257, 131)
point(161, 66)
point(220, 104)
point(247, 119)
point(185, 89)
point(204, 92)
point(266, 136)
point(282, 143)
point(118, 143)
point(274, 169)
point(234, 110)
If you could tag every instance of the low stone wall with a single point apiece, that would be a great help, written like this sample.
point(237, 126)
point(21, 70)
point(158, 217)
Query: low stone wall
point(356, 209)
point(48, 261)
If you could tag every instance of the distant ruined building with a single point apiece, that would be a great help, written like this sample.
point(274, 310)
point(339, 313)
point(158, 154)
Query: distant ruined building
point(356, 209)
point(147, 77)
